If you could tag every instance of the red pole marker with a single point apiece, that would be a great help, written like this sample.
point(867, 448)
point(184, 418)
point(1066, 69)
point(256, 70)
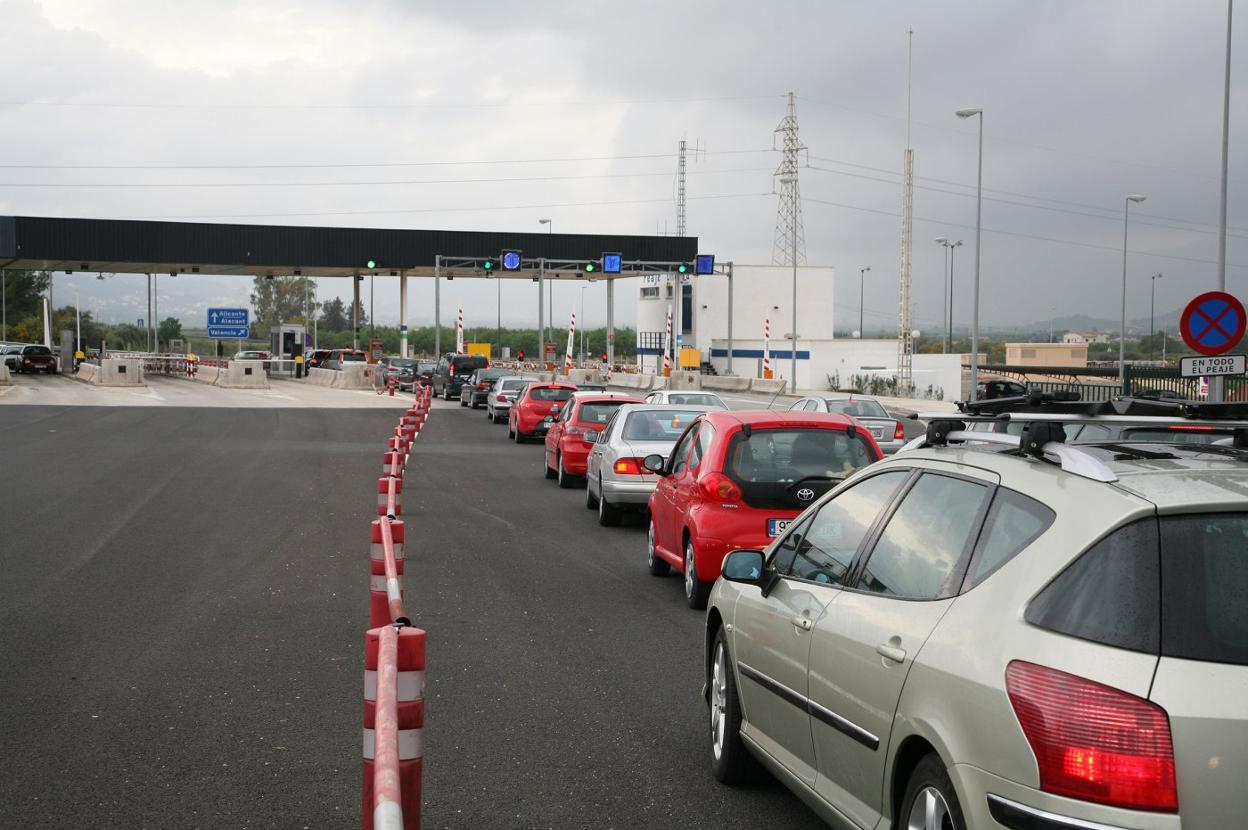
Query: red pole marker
point(380, 586)
point(394, 722)
point(392, 463)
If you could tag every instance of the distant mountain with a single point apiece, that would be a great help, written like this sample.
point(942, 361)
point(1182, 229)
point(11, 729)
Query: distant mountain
point(1081, 322)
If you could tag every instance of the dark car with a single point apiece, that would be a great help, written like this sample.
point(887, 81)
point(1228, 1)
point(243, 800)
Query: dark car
point(999, 388)
point(476, 391)
point(317, 358)
point(37, 359)
point(453, 369)
point(424, 372)
point(402, 370)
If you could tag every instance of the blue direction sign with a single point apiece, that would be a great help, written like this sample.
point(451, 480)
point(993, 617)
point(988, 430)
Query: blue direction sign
point(228, 323)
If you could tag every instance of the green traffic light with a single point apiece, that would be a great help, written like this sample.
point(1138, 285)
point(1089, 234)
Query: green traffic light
point(488, 265)
point(589, 267)
point(682, 269)
point(372, 263)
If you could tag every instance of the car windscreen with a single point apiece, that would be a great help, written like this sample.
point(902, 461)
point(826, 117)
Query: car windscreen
point(1204, 577)
point(402, 362)
point(511, 384)
point(858, 409)
point(773, 465)
point(40, 350)
point(693, 399)
point(597, 413)
point(547, 393)
point(657, 424)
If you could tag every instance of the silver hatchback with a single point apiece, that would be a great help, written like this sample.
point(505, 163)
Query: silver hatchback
point(615, 478)
point(964, 638)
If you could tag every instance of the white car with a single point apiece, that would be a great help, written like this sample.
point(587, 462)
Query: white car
point(887, 430)
point(505, 392)
point(674, 396)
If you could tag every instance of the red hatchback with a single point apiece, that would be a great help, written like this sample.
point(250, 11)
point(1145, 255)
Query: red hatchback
point(526, 418)
point(571, 437)
point(737, 479)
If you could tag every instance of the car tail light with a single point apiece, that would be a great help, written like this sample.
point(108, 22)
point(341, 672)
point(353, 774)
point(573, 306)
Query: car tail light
point(629, 467)
point(721, 488)
point(899, 432)
point(573, 430)
point(1188, 428)
point(502, 398)
point(483, 386)
point(1094, 742)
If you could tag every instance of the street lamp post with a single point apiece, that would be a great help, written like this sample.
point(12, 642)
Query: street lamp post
point(862, 281)
point(1152, 308)
point(979, 204)
point(541, 286)
point(1122, 324)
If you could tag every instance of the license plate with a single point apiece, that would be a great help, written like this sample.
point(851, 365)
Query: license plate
point(542, 426)
point(877, 433)
point(777, 526)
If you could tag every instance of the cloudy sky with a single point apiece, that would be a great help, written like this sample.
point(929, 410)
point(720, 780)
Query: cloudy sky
point(493, 115)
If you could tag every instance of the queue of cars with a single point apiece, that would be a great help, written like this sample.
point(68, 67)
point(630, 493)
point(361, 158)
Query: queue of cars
point(968, 632)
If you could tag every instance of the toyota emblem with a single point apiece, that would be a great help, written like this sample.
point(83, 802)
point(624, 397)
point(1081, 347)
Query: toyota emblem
point(805, 494)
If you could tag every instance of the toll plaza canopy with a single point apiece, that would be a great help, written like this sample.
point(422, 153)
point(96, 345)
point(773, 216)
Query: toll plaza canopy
point(128, 246)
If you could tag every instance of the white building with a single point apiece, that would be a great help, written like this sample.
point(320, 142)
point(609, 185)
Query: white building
point(765, 292)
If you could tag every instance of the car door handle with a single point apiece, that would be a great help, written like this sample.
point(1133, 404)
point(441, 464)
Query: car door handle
point(803, 622)
point(891, 652)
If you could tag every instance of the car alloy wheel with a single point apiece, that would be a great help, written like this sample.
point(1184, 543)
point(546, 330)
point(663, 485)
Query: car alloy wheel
point(929, 811)
point(657, 565)
point(696, 591)
point(719, 701)
point(565, 478)
point(930, 802)
point(608, 515)
point(590, 501)
point(546, 465)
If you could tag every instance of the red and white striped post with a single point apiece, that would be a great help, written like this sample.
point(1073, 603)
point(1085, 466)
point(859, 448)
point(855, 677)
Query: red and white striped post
point(392, 463)
point(385, 588)
point(394, 722)
point(390, 496)
point(459, 332)
point(567, 355)
point(667, 346)
point(767, 349)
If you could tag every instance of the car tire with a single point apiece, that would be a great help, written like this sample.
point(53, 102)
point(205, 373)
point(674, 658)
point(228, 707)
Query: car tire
point(731, 761)
point(657, 564)
point(930, 794)
point(566, 480)
point(590, 501)
point(550, 473)
point(608, 514)
point(696, 591)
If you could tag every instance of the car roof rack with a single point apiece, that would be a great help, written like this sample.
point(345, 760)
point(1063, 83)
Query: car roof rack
point(1040, 439)
point(1069, 403)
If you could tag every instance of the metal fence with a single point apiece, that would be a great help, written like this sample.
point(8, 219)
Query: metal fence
point(1100, 383)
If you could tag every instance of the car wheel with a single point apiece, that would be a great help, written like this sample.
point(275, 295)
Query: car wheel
point(549, 472)
point(731, 762)
point(608, 514)
point(511, 433)
point(566, 480)
point(696, 591)
point(930, 802)
point(658, 565)
point(590, 501)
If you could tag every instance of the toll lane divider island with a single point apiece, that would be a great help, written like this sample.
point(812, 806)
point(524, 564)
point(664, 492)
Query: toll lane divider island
point(394, 653)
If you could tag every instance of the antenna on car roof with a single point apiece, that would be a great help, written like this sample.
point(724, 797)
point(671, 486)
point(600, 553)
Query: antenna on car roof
point(773, 397)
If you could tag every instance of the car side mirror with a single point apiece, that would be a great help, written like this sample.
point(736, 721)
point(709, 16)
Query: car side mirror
point(653, 463)
point(549, 419)
point(744, 566)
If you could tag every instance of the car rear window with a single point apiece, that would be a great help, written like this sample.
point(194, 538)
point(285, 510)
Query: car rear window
point(39, 350)
point(657, 424)
point(468, 365)
point(693, 399)
point(768, 463)
point(1178, 435)
point(1204, 587)
point(512, 383)
point(353, 356)
point(858, 409)
point(547, 393)
point(597, 413)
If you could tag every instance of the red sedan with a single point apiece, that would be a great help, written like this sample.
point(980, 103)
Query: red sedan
point(526, 418)
point(570, 438)
point(737, 479)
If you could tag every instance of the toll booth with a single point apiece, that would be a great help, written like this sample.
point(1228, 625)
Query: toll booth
point(287, 340)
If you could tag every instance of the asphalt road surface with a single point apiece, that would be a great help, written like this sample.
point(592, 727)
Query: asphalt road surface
point(184, 599)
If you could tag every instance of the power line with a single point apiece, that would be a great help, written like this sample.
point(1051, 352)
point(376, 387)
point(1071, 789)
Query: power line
point(339, 107)
point(400, 211)
point(1019, 234)
point(379, 183)
point(355, 165)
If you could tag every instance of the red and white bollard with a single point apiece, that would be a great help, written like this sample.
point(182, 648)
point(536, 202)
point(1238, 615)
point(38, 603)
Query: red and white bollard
point(394, 722)
point(378, 591)
point(392, 463)
point(383, 496)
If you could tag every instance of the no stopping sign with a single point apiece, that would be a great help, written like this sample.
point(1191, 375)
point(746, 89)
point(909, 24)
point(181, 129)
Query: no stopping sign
point(1213, 323)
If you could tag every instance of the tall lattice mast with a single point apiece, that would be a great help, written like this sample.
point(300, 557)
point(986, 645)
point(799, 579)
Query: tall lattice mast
point(905, 322)
point(790, 239)
point(680, 191)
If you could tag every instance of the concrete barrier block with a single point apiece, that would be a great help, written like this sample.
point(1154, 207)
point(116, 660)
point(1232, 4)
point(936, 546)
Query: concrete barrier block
point(5, 378)
point(207, 374)
point(726, 384)
point(685, 380)
point(355, 376)
point(87, 373)
point(768, 387)
point(120, 371)
point(243, 374)
point(322, 377)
